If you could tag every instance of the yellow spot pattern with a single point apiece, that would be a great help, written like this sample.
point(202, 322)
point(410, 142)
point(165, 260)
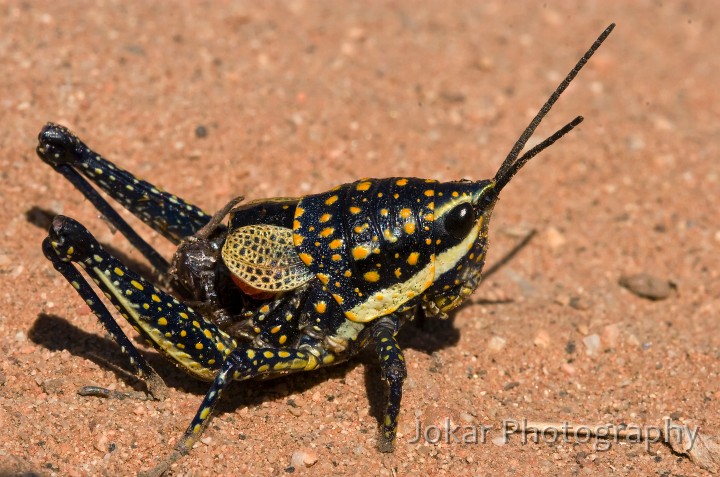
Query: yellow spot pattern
point(372, 276)
point(413, 258)
point(306, 258)
point(360, 252)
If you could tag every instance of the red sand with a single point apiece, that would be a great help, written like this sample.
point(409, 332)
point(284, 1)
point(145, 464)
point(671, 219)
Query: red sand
point(298, 97)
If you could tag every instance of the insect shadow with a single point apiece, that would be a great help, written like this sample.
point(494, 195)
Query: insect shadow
point(426, 335)
point(56, 334)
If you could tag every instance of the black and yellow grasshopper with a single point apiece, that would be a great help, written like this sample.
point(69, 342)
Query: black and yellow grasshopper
point(287, 284)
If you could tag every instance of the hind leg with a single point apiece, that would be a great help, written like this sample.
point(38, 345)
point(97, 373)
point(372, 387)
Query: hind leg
point(169, 215)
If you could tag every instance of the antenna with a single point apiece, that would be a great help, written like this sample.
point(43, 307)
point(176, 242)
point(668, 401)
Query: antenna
point(512, 164)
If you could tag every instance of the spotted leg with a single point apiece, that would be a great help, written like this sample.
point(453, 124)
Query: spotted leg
point(170, 326)
point(392, 366)
point(240, 365)
point(169, 215)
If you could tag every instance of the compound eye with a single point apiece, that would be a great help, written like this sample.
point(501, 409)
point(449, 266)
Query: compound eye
point(460, 220)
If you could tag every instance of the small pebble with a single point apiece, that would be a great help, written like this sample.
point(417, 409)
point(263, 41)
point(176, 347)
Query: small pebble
point(580, 303)
point(27, 349)
point(568, 369)
point(611, 335)
point(101, 443)
point(633, 340)
point(303, 458)
point(592, 343)
point(553, 238)
point(562, 299)
point(570, 347)
point(496, 343)
point(647, 286)
point(635, 143)
point(53, 386)
point(499, 441)
point(542, 339)
point(466, 417)
point(201, 131)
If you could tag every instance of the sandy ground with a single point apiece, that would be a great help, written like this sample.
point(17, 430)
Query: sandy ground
point(298, 97)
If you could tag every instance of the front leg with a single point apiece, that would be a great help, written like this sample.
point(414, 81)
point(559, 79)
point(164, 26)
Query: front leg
point(392, 366)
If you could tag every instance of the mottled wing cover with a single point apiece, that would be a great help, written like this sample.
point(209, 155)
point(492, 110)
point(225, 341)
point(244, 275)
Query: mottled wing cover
point(264, 257)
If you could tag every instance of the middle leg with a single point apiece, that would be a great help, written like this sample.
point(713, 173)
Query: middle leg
point(240, 365)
